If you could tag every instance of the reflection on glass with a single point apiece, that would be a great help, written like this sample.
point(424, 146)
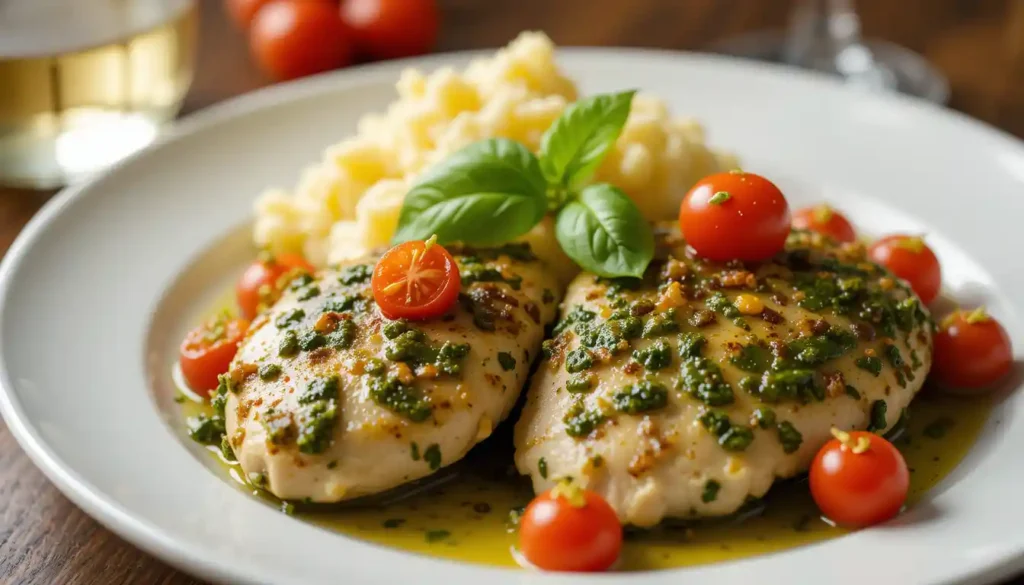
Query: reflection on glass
point(87, 82)
point(824, 35)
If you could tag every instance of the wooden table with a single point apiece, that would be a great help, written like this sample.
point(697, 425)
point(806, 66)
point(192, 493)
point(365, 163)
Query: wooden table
point(45, 539)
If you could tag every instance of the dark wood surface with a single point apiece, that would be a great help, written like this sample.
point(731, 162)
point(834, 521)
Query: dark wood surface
point(978, 44)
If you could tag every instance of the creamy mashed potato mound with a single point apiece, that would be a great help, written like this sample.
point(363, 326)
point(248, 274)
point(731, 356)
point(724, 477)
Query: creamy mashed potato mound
point(348, 202)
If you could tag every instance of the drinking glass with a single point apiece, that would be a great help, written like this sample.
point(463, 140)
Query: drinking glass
point(84, 83)
point(824, 35)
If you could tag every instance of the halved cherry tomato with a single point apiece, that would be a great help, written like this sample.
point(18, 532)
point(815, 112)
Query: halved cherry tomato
point(859, 479)
point(825, 220)
point(295, 38)
point(909, 258)
point(735, 216)
point(972, 351)
point(568, 528)
point(388, 29)
point(207, 351)
point(261, 284)
point(416, 280)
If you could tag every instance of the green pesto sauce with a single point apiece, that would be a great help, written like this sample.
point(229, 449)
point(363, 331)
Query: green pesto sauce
point(710, 493)
point(355, 274)
point(410, 345)
point(580, 422)
point(731, 436)
point(702, 379)
point(399, 398)
point(580, 383)
point(790, 438)
point(475, 509)
point(472, 272)
point(506, 361)
point(656, 356)
point(640, 397)
point(870, 364)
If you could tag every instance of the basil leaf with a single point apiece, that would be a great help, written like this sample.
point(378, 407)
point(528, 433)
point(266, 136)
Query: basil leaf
point(490, 192)
point(574, 146)
point(604, 232)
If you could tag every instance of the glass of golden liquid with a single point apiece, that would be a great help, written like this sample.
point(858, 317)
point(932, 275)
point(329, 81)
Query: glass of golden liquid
point(84, 83)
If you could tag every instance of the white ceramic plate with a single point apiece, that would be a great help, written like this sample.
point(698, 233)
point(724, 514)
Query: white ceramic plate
point(102, 283)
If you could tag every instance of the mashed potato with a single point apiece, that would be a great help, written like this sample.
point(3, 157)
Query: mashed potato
point(348, 202)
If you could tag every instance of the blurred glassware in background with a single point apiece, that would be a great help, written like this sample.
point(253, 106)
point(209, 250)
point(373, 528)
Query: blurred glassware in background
point(824, 35)
point(84, 83)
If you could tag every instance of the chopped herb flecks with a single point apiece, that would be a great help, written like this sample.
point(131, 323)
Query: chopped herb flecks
point(640, 397)
point(877, 421)
point(432, 456)
point(506, 361)
point(710, 493)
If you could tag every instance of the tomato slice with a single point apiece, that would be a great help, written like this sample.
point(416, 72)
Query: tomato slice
point(568, 528)
point(207, 351)
point(859, 479)
point(416, 280)
point(972, 352)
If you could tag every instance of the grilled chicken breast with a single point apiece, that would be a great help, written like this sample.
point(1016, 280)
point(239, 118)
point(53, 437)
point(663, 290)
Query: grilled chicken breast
point(691, 391)
point(329, 400)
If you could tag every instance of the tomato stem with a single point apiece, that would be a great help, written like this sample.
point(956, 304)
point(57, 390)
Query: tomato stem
point(823, 213)
point(977, 316)
point(914, 244)
point(859, 446)
point(429, 243)
point(571, 492)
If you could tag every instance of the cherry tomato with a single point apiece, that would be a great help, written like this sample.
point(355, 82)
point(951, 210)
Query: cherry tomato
point(416, 280)
point(825, 220)
point(242, 11)
point(260, 283)
point(207, 351)
point(972, 350)
point(859, 479)
point(735, 215)
point(570, 529)
point(909, 258)
point(295, 38)
point(388, 29)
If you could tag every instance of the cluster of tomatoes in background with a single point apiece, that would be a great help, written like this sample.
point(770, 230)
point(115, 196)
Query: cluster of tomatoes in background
point(295, 38)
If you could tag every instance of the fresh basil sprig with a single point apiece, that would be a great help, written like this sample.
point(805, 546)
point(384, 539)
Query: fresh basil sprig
point(496, 190)
point(603, 231)
point(574, 146)
point(490, 192)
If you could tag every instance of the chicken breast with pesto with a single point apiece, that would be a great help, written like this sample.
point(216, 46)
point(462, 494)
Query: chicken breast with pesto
point(327, 399)
point(694, 389)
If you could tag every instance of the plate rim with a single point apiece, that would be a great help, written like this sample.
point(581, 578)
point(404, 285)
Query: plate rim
point(193, 559)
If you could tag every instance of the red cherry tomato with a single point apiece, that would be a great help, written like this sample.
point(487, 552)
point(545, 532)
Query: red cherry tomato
point(242, 11)
point(570, 529)
point(909, 258)
point(416, 280)
point(388, 29)
point(735, 215)
point(859, 479)
point(825, 220)
point(295, 38)
point(260, 283)
point(972, 351)
point(207, 352)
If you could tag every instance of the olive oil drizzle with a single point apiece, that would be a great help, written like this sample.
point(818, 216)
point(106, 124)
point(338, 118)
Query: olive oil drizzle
point(467, 512)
